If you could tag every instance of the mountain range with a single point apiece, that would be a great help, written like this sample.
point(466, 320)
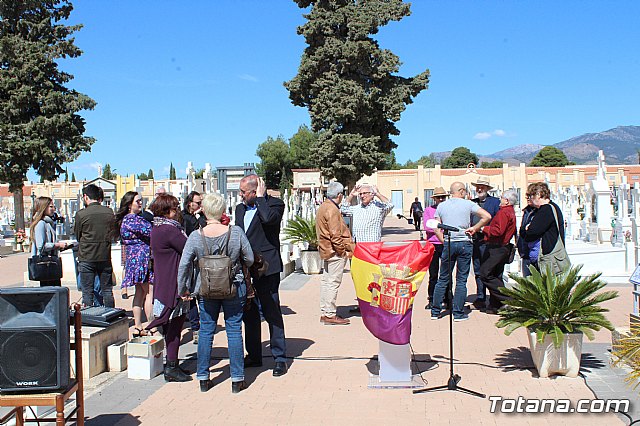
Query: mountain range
point(620, 145)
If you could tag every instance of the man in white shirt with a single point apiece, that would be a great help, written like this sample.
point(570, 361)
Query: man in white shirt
point(368, 216)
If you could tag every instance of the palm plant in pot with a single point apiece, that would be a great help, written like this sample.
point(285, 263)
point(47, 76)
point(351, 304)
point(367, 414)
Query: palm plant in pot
point(556, 310)
point(301, 230)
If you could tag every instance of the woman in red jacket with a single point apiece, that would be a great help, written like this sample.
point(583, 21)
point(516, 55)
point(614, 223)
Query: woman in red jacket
point(497, 236)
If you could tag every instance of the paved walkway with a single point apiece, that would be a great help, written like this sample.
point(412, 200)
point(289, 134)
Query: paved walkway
point(331, 365)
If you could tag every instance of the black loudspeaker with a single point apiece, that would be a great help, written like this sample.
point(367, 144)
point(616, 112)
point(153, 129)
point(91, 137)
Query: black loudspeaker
point(34, 339)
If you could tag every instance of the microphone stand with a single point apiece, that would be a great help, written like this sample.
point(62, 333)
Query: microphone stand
point(452, 383)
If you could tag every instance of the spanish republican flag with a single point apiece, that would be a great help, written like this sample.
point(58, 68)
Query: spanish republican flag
point(386, 279)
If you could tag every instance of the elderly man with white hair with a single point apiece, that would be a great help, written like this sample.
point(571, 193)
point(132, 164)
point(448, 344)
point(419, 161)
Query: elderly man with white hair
point(368, 216)
point(497, 236)
point(335, 246)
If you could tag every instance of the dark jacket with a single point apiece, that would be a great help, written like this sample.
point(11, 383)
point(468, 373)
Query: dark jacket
point(527, 216)
point(491, 205)
point(167, 243)
point(543, 225)
point(93, 228)
point(190, 222)
point(264, 230)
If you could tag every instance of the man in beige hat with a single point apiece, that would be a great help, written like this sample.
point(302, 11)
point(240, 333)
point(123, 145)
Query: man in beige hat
point(439, 195)
point(492, 205)
point(457, 212)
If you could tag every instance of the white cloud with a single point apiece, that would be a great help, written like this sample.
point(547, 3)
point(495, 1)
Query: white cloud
point(482, 136)
point(84, 166)
point(486, 135)
point(248, 77)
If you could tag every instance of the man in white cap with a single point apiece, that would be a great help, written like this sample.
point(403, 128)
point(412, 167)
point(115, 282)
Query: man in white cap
point(491, 205)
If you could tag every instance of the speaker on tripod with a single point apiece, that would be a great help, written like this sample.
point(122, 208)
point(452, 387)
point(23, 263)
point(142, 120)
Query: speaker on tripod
point(34, 339)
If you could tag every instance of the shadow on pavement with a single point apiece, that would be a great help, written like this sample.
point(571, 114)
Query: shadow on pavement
point(120, 419)
point(516, 359)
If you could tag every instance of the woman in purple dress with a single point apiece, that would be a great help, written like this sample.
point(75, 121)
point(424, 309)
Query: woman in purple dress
point(135, 234)
point(170, 310)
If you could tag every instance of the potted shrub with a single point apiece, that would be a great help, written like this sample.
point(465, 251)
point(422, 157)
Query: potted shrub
point(626, 351)
point(301, 230)
point(556, 310)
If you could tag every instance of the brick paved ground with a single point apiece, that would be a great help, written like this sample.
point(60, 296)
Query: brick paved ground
point(331, 365)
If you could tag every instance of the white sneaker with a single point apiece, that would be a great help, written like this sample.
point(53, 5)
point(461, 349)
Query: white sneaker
point(464, 318)
point(434, 318)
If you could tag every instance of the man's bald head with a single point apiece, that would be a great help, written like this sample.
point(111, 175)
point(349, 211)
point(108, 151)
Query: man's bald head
point(250, 182)
point(457, 190)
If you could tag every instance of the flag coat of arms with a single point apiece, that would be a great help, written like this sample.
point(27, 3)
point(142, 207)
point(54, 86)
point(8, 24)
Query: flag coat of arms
point(386, 279)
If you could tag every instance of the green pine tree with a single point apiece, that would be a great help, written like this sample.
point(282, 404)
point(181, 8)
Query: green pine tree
point(550, 156)
point(172, 172)
point(40, 127)
point(73, 177)
point(350, 85)
point(150, 174)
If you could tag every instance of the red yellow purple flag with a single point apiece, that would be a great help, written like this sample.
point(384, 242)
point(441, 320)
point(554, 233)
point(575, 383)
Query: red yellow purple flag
point(386, 279)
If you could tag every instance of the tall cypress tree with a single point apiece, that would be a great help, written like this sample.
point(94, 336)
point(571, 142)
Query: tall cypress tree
point(348, 84)
point(39, 122)
point(172, 172)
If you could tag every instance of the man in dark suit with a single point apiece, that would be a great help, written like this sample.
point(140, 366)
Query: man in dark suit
point(259, 216)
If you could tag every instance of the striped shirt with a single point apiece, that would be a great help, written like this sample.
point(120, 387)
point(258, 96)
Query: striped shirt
point(367, 220)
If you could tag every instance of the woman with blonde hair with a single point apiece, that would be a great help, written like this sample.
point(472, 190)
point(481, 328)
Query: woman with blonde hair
point(217, 236)
point(43, 234)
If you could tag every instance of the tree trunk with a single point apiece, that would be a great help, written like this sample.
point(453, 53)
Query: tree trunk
point(18, 205)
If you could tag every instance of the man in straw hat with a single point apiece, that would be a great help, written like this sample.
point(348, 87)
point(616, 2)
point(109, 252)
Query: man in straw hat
point(457, 212)
point(439, 195)
point(492, 205)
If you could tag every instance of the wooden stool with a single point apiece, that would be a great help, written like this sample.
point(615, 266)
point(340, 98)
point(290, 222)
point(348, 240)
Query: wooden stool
point(57, 399)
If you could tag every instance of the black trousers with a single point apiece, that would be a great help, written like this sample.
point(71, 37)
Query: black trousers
point(267, 294)
point(417, 219)
point(491, 269)
point(434, 271)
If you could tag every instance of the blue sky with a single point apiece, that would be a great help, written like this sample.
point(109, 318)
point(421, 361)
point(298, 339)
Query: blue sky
point(202, 80)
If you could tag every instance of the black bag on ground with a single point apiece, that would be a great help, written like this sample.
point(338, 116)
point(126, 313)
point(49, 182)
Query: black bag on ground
point(216, 272)
point(44, 268)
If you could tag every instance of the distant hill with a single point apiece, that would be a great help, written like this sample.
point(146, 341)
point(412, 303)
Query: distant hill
point(620, 146)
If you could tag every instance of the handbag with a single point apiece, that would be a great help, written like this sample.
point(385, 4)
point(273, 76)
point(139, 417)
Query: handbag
point(558, 259)
point(512, 252)
point(44, 267)
point(216, 272)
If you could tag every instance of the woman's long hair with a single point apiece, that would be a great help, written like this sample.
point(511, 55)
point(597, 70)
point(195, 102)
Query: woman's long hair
point(125, 208)
point(39, 209)
point(189, 199)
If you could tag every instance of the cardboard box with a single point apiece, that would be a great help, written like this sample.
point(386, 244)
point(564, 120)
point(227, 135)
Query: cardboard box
point(117, 356)
point(145, 357)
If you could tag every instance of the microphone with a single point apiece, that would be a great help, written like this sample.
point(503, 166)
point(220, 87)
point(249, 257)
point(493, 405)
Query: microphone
point(432, 223)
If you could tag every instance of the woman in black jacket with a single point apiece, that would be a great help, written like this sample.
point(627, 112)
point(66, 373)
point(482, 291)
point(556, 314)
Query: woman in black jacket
point(544, 226)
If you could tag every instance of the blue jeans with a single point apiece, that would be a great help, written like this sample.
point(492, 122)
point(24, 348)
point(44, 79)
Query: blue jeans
point(479, 248)
point(461, 257)
point(209, 311)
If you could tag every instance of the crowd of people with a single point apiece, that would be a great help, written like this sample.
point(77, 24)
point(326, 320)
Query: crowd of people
point(165, 245)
